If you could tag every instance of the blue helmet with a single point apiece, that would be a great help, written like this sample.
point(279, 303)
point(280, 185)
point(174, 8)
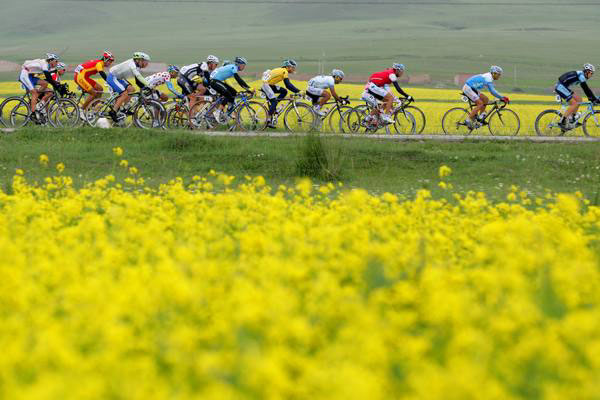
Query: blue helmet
point(172, 68)
point(398, 66)
point(337, 73)
point(290, 63)
point(494, 69)
point(241, 60)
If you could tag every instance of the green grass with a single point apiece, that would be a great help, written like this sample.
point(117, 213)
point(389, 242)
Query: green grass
point(534, 43)
point(378, 166)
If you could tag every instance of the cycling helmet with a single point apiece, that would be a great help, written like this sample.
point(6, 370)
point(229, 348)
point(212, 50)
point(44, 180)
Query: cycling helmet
point(494, 69)
point(107, 55)
point(226, 62)
point(589, 67)
point(338, 73)
point(241, 60)
point(290, 63)
point(141, 55)
point(60, 66)
point(398, 66)
point(212, 59)
point(51, 56)
point(172, 68)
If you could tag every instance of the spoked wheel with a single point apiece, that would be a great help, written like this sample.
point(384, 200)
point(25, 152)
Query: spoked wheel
point(150, 114)
point(336, 120)
point(504, 122)
point(453, 122)
point(97, 109)
point(420, 120)
point(14, 112)
point(64, 113)
point(299, 118)
point(591, 124)
point(404, 122)
point(178, 118)
point(252, 116)
point(546, 124)
point(355, 118)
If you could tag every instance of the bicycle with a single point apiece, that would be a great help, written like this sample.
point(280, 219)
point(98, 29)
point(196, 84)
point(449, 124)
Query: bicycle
point(546, 123)
point(57, 111)
point(145, 112)
point(500, 121)
point(335, 115)
point(243, 114)
point(298, 116)
point(368, 117)
point(416, 112)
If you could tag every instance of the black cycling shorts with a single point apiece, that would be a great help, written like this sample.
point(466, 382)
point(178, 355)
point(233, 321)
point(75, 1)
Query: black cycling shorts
point(187, 86)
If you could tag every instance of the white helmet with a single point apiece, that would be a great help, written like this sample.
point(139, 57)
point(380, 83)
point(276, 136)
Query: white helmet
point(141, 55)
point(212, 59)
point(51, 56)
point(589, 67)
point(494, 69)
point(338, 73)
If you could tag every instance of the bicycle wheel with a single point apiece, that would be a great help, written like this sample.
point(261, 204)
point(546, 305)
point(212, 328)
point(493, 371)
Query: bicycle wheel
point(64, 113)
point(453, 122)
point(149, 114)
point(355, 118)
point(591, 124)
point(97, 109)
point(252, 116)
point(299, 117)
point(14, 112)
point(404, 122)
point(546, 124)
point(336, 120)
point(504, 122)
point(420, 120)
point(178, 118)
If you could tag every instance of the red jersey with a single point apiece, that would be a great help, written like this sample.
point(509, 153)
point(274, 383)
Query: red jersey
point(384, 77)
point(89, 68)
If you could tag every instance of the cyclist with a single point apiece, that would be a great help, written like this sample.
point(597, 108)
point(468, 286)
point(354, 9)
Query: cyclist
point(562, 88)
point(83, 79)
point(189, 73)
point(269, 86)
point(220, 75)
point(161, 78)
point(378, 88)
point(28, 78)
point(472, 87)
point(59, 71)
point(322, 87)
point(117, 79)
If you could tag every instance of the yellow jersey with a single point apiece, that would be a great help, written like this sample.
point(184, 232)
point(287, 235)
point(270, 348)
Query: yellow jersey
point(277, 75)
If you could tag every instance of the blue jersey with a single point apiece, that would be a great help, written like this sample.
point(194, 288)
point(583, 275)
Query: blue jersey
point(225, 72)
point(480, 81)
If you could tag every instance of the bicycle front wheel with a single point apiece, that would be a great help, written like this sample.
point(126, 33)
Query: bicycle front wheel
point(404, 122)
point(178, 118)
point(299, 118)
point(335, 120)
point(150, 114)
point(504, 122)
point(14, 112)
point(453, 122)
point(252, 116)
point(64, 113)
point(355, 118)
point(546, 124)
point(591, 124)
point(420, 120)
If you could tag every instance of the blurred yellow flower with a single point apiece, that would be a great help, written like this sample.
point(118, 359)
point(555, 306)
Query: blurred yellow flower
point(60, 167)
point(117, 151)
point(444, 171)
point(44, 160)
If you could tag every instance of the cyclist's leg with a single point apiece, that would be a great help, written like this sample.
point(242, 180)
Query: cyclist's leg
point(43, 85)
point(485, 101)
point(29, 81)
point(573, 106)
point(378, 93)
point(89, 86)
point(475, 97)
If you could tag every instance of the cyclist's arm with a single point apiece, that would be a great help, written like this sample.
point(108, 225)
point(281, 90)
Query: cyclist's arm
point(334, 93)
point(172, 89)
point(141, 84)
point(103, 75)
point(399, 89)
point(241, 82)
point(51, 80)
point(493, 90)
point(588, 92)
point(290, 85)
point(139, 79)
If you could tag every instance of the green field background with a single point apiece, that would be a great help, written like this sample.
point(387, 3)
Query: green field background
point(534, 41)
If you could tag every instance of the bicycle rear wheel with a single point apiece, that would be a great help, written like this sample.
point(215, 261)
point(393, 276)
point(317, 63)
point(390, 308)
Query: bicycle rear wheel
point(299, 118)
point(504, 122)
point(546, 124)
point(14, 112)
point(356, 117)
point(453, 122)
point(336, 120)
point(97, 109)
point(64, 113)
point(591, 124)
point(252, 116)
point(150, 114)
point(178, 118)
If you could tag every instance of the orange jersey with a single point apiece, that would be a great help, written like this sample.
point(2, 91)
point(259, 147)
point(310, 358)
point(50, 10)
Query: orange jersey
point(89, 68)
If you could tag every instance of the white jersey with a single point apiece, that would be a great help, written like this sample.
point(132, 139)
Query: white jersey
point(127, 69)
point(193, 70)
point(36, 66)
point(160, 78)
point(322, 82)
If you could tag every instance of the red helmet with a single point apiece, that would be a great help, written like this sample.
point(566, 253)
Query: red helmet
point(108, 56)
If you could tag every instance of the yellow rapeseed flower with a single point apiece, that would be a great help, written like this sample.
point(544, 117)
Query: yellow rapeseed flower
point(444, 171)
point(44, 160)
point(60, 167)
point(117, 151)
